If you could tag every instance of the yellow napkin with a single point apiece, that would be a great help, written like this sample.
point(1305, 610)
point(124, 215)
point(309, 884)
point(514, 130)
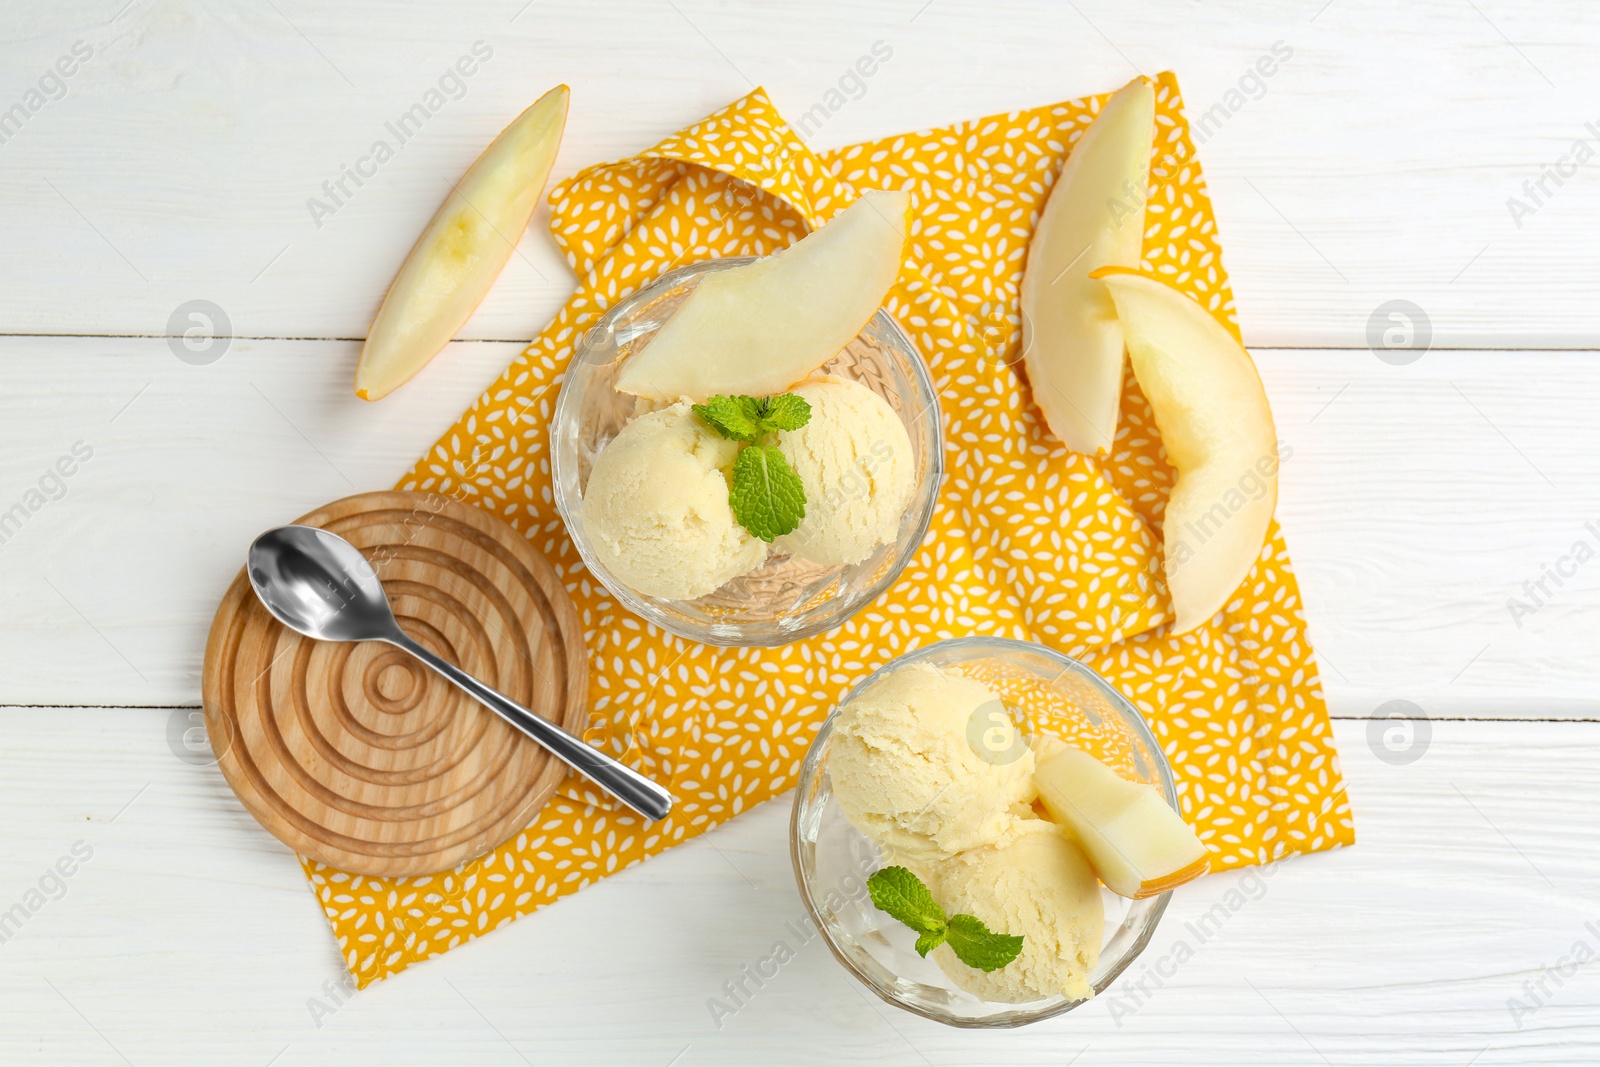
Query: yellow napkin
point(1027, 541)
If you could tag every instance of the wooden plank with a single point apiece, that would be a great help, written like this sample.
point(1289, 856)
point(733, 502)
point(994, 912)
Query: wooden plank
point(1414, 499)
point(1417, 502)
point(189, 936)
point(120, 576)
point(1376, 162)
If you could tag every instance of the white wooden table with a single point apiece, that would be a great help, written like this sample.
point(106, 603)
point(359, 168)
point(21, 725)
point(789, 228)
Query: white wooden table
point(1377, 163)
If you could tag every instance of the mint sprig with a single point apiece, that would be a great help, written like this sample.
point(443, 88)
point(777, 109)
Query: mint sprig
point(765, 493)
point(900, 893)
point(749, 418)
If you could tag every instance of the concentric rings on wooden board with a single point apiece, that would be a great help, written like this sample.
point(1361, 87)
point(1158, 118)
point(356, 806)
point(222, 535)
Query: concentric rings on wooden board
point(362, 758)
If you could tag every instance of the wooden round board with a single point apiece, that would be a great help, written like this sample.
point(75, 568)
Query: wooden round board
point(360, 757)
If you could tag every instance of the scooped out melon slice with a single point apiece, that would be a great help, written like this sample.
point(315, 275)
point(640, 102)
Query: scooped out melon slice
point(1138, 845)
point(1071, 341)
point(463, 249)
point(1217, 431)
point(757, 329)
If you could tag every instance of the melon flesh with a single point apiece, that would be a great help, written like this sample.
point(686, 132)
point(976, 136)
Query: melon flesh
point(1138, 845)
point(757, 329)
point(1071, 342)
point(1217, 431)
point(463, 249)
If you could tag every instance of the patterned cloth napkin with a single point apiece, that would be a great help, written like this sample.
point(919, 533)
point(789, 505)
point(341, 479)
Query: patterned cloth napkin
point(1027, 541)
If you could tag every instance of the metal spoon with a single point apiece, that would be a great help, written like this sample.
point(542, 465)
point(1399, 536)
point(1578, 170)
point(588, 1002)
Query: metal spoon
point(320, 585)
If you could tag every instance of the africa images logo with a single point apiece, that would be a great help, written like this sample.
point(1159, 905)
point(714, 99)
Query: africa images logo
point(451, 85)
point(52, 486)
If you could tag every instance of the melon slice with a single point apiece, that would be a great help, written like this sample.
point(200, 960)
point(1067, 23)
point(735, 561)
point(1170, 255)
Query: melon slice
point(1218, 433)
point(760, 328)
point(463, 249)
point(1138, 845)
point(1071, 343)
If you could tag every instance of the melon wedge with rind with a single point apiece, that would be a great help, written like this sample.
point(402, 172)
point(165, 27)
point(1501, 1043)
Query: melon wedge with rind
point(1138, 845)
point(1094, 217)
point(462, 250)
point(758, 329)
point(1217, 431)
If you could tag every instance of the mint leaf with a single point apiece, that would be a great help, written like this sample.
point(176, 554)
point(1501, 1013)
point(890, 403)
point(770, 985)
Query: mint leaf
point(786, 412)
point(734, 417)
point(902, 894)
point(767, 496)
point(976, 946)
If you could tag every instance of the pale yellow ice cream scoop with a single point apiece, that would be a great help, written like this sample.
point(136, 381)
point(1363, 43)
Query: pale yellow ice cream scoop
point(1041, 886)
point(854, 458)
point(913, 765)
point(656, 508)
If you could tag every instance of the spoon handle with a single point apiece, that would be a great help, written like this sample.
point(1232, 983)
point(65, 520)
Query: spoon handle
point(623, 782)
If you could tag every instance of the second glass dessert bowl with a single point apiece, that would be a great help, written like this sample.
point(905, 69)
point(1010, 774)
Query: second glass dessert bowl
point(787, 598)
point(832, 859)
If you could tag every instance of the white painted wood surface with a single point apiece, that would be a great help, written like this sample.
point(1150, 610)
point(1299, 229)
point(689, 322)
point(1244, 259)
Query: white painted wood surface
point(1416, 500)
point(1475, 869)
point(1375, 164)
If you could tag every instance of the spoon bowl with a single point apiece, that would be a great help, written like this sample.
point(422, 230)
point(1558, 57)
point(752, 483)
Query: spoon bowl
point(319, 585)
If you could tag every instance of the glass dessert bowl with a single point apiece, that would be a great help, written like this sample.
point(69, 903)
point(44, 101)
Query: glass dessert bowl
point(1049, 693)
point(787, 597)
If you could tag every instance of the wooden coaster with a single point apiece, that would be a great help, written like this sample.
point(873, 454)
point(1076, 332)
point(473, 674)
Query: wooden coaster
point(359, 756)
